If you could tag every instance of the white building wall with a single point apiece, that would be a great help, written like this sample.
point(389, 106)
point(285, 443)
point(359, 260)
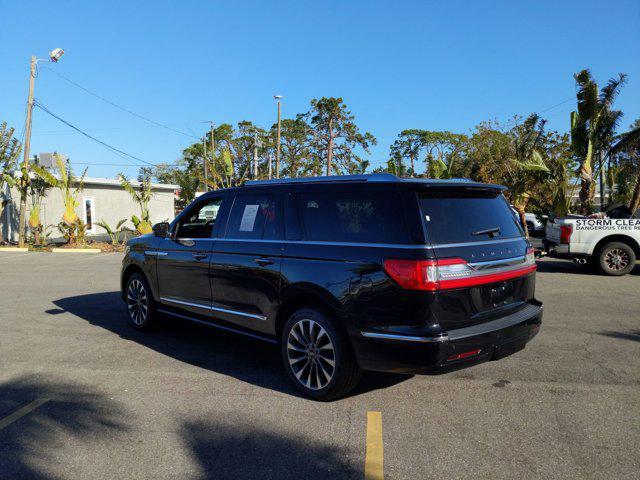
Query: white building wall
point(111, 204)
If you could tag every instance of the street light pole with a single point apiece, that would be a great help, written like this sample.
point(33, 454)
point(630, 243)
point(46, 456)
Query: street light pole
point(204, 162)
point(54, 56)
point(25, 162)
point(278, 99)
point(255, 155)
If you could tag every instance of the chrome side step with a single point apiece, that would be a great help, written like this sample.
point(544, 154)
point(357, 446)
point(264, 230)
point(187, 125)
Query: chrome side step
point(218, 326)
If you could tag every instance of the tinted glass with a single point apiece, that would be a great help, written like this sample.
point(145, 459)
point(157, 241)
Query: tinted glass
point(253, 216)
point(359, 217)
point(462, 216)
point(200, 220)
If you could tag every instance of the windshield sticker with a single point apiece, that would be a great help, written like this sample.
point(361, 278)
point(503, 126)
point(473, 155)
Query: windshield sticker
point(248, 218)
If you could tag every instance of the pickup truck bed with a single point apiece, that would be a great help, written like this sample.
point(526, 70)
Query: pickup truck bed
point(611, 244)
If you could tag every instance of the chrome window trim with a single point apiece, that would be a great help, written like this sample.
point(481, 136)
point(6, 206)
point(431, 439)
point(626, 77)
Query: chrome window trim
point(155, 254)
point(357, 244)
point(212, 308)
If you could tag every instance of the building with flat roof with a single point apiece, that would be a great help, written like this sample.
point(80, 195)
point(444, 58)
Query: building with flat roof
point(100, 199)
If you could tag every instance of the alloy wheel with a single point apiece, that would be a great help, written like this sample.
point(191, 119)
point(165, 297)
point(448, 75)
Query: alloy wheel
point(311, 354)
point(616, 259)
point(137, 302)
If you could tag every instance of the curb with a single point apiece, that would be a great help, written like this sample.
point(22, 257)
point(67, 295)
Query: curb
point(13, 249)
point(76, 250)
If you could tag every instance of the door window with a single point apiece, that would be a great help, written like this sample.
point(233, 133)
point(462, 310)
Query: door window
point(199, 221)
point(253, 217)
point(359, 217)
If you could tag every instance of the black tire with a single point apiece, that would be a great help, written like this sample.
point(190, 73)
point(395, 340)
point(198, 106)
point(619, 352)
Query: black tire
point(315, 343)
point(141, 307)
point(616, 258)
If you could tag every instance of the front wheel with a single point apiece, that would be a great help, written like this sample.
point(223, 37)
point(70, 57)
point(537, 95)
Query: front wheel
point(318, 356)
point(616, 258)
point(141, 307)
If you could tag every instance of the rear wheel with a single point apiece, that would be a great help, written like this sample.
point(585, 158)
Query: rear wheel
point(616, 258)
point(141, 307)
point(318, 356)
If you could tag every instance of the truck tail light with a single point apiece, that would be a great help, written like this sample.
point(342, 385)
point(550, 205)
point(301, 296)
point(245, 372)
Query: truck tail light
point(565, 233)
point(448, 273)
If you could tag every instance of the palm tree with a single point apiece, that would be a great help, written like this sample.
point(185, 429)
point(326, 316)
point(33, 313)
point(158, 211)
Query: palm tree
point(527, 169)
point(10, 149)
point(630, 142)
point(592, 127)
point(70, 187)
point(141, 195)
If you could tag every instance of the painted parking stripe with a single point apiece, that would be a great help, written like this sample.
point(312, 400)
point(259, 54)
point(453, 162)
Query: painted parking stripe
point(373, 464)
point(21, 412)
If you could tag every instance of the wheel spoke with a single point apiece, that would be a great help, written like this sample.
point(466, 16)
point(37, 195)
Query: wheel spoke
point(311, 354)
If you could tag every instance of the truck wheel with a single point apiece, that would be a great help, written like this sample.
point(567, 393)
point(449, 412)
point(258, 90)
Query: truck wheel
point(616, 258)
point(318, 356)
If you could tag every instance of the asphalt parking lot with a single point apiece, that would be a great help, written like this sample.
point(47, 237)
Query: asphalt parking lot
point(83, 395)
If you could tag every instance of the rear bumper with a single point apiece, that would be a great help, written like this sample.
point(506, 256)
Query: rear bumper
point(384, 350)
point(554, 249)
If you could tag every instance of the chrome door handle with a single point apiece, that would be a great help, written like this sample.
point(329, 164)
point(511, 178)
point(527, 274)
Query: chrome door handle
point(263, 262)
point(199, 256)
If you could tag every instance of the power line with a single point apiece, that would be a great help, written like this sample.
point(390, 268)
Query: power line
point(117, 151)
point(124, 109)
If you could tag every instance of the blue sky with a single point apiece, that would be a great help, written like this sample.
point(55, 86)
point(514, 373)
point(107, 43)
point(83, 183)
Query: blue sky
point(398, 65)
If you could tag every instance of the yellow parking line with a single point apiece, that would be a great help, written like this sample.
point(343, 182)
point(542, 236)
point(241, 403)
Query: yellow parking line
point(18, 414)
point(373, 463)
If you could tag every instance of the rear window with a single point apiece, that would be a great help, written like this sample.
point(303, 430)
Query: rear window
point(463, 216)
point(358, 217)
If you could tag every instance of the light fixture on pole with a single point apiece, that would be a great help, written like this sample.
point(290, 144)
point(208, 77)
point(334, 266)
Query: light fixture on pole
point(278, 99)
point(54, 56)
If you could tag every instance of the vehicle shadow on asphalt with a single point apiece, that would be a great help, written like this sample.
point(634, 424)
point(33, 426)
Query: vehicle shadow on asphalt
point(241, 450)
point(52, 412)
point(244, 358)
point(565, 266)
point(632, 335)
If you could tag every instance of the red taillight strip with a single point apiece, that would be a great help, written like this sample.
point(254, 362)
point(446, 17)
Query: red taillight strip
point(485, 279)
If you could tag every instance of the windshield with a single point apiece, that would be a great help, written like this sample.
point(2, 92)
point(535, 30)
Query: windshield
point(457, 216)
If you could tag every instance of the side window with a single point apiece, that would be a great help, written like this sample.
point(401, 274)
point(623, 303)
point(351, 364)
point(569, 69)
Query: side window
point(199, 221)
point(359, 217)
point(254, 217)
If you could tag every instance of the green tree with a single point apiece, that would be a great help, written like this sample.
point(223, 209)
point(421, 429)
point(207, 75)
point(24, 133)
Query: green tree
point(294, 145)
point(627, 151)
point(10, 149)
point(141, 194)
point(335, 137)
point(592, 128)
point(70, 187)
point(408, 145)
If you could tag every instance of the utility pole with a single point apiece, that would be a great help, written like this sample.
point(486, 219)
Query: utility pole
point(27, 146)
point(213, 152)
point(54, 56)
point(278, 99)
point(255, 155)
point(204, 162)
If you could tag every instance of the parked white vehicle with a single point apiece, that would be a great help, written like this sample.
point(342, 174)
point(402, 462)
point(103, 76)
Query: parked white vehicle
point(534, 225)
point(612, 244)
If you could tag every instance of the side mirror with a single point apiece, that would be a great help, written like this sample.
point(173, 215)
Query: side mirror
point(161, 229)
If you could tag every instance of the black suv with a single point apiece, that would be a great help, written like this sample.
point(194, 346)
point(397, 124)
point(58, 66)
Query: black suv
point(352, 273)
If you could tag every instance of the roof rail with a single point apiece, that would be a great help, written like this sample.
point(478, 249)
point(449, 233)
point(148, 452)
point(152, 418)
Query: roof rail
point(371, 177)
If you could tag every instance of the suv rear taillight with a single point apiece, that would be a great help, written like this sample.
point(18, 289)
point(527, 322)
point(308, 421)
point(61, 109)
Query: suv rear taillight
point(565, 233)
point(448, 273)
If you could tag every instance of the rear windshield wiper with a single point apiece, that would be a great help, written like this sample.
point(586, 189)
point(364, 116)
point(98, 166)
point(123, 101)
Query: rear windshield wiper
point(492, 232)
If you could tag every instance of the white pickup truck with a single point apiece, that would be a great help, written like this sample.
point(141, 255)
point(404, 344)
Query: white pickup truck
point(610, 243)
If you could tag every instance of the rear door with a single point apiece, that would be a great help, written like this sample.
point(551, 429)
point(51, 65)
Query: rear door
point(477, 226)
point(245, 266)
